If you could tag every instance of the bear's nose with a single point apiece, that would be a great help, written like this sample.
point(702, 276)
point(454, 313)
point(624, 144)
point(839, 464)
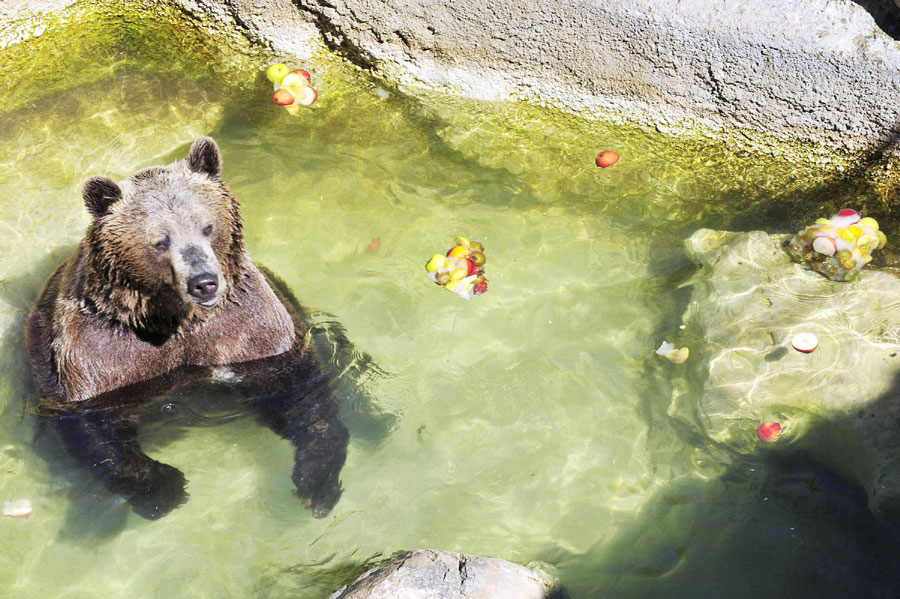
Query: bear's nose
point(203, 286)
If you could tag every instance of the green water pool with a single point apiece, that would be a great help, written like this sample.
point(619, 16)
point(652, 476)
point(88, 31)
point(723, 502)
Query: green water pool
point(528, 423)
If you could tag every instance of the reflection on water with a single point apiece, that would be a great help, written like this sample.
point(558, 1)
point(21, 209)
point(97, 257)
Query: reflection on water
point(528, 423)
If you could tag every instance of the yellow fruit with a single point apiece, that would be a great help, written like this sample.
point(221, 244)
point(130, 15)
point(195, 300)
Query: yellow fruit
point(856, 231)
point(436, 262)
point(882, 239)
point(869, 222)
point(823, 221)
point(458, 275)
point(462, 241)
point(459, 251)
point(846, 234)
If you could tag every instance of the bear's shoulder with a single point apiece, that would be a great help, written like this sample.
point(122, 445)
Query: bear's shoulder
point(97, 355)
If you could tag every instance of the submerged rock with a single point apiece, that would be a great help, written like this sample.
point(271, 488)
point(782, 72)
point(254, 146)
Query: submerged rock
point(427, 573)
point(748, 302)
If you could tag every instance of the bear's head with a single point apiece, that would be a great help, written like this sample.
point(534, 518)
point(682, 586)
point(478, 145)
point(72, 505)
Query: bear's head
point(165, 245)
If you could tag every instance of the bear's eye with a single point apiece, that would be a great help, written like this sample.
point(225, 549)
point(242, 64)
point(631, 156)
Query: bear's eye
point(162, 245)
point(207, 230)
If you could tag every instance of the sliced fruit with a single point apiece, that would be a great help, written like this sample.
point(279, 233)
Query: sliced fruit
point(805, 342)
point(458, 251)
point(436, 262)
point(824, 245)
point(869, 222)
point(678, 356)
point(478, 258)
point(306, 96)
point(282, 97)
point(294, 81)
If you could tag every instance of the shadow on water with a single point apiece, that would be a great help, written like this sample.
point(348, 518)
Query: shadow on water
point(772, 525)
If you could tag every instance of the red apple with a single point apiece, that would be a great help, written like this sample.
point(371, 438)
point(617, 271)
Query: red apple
point(769, 431)
point(282, 97)
point(471, 269)
point(606, 159)
point(848, 212)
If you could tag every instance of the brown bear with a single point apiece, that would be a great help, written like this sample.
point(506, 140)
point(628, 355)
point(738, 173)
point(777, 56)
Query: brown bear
point(160, 294)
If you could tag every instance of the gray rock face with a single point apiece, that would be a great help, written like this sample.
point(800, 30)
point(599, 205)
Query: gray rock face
point(815, 69)
point(838, 403)
point(429, 574)
point(819, 70)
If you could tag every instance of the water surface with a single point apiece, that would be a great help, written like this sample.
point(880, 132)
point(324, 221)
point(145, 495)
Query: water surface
point(528, 423)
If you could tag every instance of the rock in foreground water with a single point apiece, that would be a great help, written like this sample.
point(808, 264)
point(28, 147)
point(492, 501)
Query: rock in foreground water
point(431, 574)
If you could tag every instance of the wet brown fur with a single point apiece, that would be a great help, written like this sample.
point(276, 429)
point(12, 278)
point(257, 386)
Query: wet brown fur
point(110, 315)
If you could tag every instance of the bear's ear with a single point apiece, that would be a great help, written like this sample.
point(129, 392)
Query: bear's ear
point(204, 157)
point(99, 194)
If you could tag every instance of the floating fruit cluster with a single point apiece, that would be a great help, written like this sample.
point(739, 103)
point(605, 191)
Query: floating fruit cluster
point(292, 88)
point(838, 247)
point(460, 270)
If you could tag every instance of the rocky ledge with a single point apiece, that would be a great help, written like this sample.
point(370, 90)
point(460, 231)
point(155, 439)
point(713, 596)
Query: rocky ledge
point(838, 403)
point(426, 573)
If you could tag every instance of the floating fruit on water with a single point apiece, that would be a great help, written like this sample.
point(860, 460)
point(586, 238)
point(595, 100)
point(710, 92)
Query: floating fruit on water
point(460, 269)
point(306, 96)
point(277, 71)
point(769, 431)
point(436, 262)
point(282, 97)
point(805, 342)
point(458, 251)
point(17, 508)
point(606, 159)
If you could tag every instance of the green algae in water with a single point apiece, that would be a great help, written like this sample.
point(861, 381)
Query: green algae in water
point(531, 421)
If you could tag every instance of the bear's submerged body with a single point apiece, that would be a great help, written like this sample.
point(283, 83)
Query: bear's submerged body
point(161, 293)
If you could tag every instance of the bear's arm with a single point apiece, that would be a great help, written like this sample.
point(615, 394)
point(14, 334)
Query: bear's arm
point(38, 338)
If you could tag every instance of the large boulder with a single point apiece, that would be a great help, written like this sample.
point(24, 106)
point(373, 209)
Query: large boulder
point(838, 403)
point(430, 574)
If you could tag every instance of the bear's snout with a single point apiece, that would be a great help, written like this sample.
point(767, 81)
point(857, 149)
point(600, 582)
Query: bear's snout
point(203, 287)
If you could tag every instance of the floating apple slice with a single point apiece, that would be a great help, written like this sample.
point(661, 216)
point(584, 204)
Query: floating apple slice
point(294, 81)
point(306, 96)
point(282, 97)
point(845, 217)
point(805, 342)
point(824, 245)
point(18, 508)
point(769, 431)
point(304, 74)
